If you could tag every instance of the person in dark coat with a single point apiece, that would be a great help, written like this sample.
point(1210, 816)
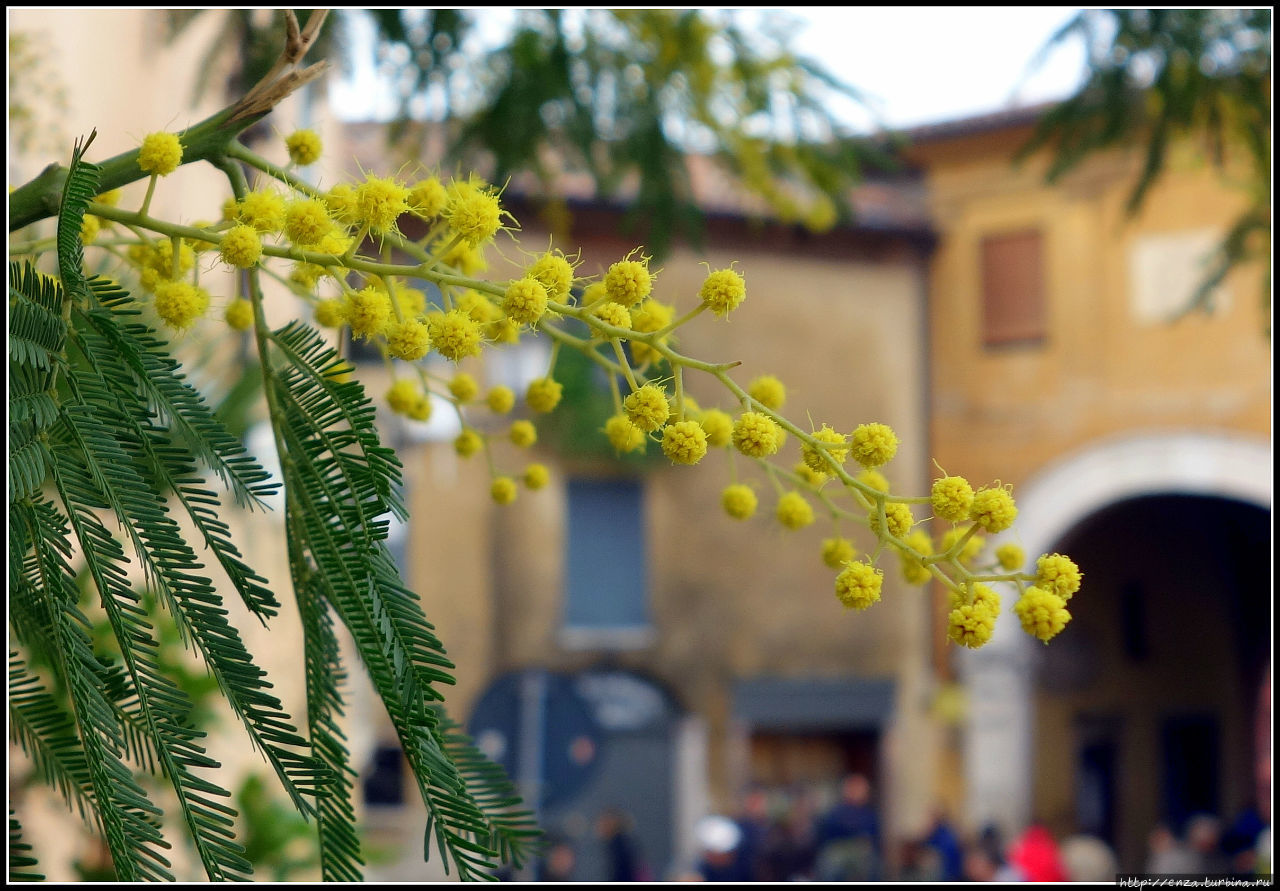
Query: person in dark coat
point(849, 836)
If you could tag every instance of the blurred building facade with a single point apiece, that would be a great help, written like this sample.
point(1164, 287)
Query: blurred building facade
point(711, 654)
point(1138, 444)
point(1030, 345)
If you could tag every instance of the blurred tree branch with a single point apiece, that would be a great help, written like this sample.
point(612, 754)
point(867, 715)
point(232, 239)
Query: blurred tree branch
point(624, 95)
point(1156, 76)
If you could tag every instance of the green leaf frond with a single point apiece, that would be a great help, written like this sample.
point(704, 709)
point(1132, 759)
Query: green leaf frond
point(177, 403)
point(46, 732)
point(91, 468)
point(340, 482)
point(20, 859)
point(79, 189)
point(173, 570)
point(130, 821)
point(340, 858)
point(515, 832)
point(36, 327)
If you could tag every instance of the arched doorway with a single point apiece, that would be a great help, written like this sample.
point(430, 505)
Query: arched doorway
point(1037, 743)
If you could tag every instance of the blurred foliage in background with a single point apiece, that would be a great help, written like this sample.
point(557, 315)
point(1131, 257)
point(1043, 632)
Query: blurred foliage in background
point(1156, 76)
point(621, 94)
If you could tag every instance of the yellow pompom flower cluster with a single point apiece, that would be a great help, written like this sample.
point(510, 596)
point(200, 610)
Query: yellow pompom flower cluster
point(875, 479)
point(993, 510)
point(239, 315)
point(969, 551)
point(647, 408)
point(160, 154)
point(500, 400)
point(648, 317)
point(427, 198)
point(554, 272)
point(837, 551)
point(623, 435)
point(897, 515)
point(367, 311)
point(971, 624)
point(455, 334)
point(614, 314)
point(408, 340)
point(379, 202)
point(543, 395)
point(1042, 613)
point(180, 303)
point(793, 511)
point(1011, 557)
point(756, 435)
point(405, 398)
point(951, 498)
point(241, 247)
point(401, 396)
point(837, 449)
point(808, 475)
point(914, 571)
point(90, 226)
point(738, 501)
point(523, 434)
point(718, 426)
point(768, 391)
point(858, 585)
point(307, 222)
point(264, 210)
point(1059, 574)
point(723, 291)
point(331, 312)
point(473, 212)
point(525, 301)
point(304, 147)
point(628, 281)
point(463, 387)
point(874, 444)
point(503, 489)
point(467, 443)
point(536, 476)
point(684, 442)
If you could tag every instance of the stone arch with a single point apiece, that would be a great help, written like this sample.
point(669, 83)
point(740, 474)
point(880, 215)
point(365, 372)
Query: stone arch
point(999, 738)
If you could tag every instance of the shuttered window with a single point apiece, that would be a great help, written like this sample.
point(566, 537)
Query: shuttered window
point(607, 577)
point(1013, 300)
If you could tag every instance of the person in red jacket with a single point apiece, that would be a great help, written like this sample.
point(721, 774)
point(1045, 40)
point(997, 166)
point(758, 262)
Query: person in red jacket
point(1036, 855)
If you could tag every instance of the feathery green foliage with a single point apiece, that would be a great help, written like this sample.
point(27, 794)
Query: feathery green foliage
point(19, 858)
point(112, 464)
point(1158, 75)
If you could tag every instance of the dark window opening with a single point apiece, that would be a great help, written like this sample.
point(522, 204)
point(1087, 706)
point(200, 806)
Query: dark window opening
point(384, 786)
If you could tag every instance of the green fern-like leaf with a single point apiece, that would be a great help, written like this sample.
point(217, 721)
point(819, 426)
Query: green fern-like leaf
point(20, 859)
point(36, 328)
point(341, 483)
point(130, 821)
point(79, 189)
point(177, 402)
point(340, 858)
point(174, 571)
point(91, 467)
point(46, 733)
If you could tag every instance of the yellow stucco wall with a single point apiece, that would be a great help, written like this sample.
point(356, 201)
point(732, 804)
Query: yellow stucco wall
point(1005, 412)
point(1103, 369)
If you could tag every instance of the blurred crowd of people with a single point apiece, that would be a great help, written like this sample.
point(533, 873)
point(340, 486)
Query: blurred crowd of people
point(779, 838)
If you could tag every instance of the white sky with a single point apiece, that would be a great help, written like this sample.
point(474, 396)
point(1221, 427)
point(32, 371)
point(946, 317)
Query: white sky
point(919, 64)
point(929, 64)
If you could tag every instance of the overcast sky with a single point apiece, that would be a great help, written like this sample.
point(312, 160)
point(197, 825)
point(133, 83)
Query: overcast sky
point(929, 64)
point(919, 64)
